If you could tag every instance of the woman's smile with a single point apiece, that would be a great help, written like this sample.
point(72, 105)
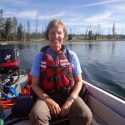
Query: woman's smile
point(56, 36)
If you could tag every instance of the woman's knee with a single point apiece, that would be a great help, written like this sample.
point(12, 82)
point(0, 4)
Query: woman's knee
point(40, 113)
point(88, 118)
point(81, 112)
point(86, 115)
point(81, 119)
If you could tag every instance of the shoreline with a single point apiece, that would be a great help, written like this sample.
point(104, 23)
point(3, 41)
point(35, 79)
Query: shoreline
point(75, 40)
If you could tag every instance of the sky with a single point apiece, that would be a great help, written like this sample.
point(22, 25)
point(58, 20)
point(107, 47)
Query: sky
point(79, 16)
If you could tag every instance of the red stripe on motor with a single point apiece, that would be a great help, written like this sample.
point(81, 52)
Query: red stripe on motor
point(10, 64)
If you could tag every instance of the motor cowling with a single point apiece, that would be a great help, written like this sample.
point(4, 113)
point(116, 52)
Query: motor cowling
point(9, 58)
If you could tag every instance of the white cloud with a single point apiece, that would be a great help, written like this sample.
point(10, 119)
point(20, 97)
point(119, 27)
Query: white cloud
point(23, 14)
point(31, 14)
point(103, 17)
point(58, 15)
point(118, 11)
point(102, 3)
point(111, 13)
point(97, 3)
point(120, 25)
point(16, 2)
point(27, 14)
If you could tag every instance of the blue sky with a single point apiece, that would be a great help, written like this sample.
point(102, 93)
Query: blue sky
point(78, 15)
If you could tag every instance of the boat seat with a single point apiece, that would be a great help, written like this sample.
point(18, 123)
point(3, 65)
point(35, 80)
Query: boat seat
point(60, 121)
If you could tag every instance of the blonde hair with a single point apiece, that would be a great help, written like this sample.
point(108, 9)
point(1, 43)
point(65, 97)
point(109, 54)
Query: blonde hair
point(52, 23)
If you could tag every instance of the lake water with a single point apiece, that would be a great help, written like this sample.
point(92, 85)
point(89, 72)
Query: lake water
point(103, 63)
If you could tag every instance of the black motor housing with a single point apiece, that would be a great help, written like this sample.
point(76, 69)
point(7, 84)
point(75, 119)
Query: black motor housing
point(9, 58)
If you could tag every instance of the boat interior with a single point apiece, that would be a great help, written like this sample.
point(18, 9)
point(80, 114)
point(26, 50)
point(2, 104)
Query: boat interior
point(106, 108)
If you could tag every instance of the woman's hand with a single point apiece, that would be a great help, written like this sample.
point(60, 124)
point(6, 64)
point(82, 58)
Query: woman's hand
point(65, 109)
point(53, 106)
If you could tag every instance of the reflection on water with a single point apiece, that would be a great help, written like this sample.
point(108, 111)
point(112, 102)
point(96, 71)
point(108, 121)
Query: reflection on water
point(102, 62)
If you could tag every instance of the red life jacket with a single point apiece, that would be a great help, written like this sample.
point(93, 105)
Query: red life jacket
point(56, 74)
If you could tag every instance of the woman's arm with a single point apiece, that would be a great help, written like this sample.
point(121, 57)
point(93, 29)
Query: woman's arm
point(53, 106)
point(65, 109)
point(77, 86)
point(38, 91)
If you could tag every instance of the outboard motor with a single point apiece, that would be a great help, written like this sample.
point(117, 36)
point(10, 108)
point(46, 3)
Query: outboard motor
point(9, 58)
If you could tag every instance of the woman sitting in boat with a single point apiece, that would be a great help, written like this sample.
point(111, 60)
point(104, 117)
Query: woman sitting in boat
point(57, 81)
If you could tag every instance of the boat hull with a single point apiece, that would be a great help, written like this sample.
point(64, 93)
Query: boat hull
point(107, 109)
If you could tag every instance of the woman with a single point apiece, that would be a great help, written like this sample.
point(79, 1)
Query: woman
point(57, 81)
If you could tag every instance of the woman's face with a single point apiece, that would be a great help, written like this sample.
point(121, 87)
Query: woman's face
point(56, 36)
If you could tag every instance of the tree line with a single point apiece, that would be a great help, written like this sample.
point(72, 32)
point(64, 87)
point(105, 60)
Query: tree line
point(12, 30)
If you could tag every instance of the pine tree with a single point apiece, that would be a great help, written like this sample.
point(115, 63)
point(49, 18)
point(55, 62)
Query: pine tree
point(20, 32)
point(28, 31)
point(8, 29)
